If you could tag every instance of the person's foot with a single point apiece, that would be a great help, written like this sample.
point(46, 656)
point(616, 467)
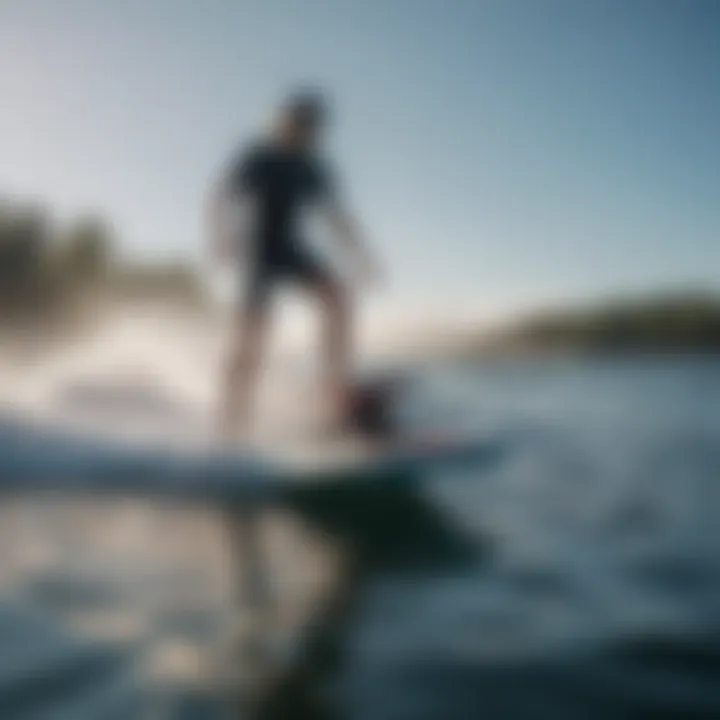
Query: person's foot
point(333, 416)
point(232, 431)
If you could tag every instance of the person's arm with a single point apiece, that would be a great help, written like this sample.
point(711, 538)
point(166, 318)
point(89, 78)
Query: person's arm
point(347, 231)
point(220, 245)
point(226, 211)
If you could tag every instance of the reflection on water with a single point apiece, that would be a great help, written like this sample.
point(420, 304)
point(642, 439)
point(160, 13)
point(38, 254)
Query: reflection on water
point(597, 594)
point(153, 578)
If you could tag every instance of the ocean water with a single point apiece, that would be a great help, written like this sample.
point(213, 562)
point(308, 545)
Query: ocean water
point(589, 585)
point(599, 595)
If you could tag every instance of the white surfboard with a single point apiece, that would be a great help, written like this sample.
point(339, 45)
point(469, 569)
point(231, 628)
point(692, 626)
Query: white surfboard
point(34, 457)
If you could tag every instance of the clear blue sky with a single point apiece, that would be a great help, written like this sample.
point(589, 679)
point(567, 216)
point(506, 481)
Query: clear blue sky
point(500, 151)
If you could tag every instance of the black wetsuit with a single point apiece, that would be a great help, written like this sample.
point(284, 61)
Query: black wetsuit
point(279, 183)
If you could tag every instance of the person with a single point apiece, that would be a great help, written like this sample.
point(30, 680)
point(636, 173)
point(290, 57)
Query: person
point(273, 181)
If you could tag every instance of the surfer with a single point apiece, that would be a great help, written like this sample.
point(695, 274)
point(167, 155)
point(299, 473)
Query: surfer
point(272, 181)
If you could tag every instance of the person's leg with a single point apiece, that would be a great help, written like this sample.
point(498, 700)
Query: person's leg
point(241, 372)
point(336, 344)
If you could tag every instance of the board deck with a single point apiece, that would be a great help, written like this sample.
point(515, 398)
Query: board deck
point(355, 455)
point(45, 458)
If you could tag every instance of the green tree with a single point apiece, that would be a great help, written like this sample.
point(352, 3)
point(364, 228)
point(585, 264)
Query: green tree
point(24, 236)
point(86, 250)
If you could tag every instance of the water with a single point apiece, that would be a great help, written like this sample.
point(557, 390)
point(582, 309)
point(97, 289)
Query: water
point(594, 591)
point(600, 596)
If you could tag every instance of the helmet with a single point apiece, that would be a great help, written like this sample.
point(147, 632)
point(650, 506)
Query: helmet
point(308, 107)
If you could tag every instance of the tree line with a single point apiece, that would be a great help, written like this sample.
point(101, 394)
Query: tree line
point(52, 272)
point(659, 323)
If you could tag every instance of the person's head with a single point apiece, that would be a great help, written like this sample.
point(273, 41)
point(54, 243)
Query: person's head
point(301, 119)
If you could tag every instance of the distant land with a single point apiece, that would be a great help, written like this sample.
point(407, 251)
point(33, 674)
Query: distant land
point(54, 279)
point(659, 323)
point(55, 275)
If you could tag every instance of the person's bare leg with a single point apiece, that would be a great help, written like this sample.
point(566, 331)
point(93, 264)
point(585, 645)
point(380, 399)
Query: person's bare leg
point(241, 372)
point(336, 307)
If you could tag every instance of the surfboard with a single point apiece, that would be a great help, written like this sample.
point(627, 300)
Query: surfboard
point(125, 433)
point(34, 457)
point(352, 457)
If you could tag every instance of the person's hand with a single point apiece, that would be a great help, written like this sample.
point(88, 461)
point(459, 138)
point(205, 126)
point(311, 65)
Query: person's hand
point(368, 271)
point(226, 250)
point(223, 244)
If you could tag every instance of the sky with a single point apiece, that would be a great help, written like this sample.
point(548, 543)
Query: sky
point(501, 153)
